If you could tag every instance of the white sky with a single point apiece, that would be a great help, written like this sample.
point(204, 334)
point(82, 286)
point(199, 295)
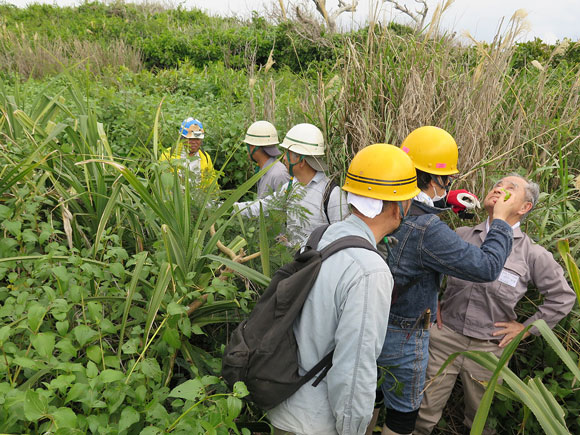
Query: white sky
point(550, 20)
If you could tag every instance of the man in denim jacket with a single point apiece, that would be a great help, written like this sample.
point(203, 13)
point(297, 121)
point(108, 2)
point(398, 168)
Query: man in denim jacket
point(426, 250)
point(481, 316)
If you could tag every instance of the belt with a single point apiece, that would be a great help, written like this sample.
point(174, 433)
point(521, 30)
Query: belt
point(421, 322)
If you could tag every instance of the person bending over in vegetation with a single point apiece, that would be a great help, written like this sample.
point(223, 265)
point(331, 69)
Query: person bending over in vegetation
point(345, 309)
point(320, 198)
point(426, 250)
point(190, 153)
point(261, 140)
point(481, 316)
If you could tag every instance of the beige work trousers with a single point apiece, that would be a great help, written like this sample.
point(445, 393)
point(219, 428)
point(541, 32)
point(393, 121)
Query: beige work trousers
point(442, 343)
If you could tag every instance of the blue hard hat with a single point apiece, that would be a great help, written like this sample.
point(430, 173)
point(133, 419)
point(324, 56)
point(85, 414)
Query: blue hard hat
point(192, 128)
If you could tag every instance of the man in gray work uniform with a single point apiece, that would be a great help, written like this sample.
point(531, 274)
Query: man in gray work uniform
point(322, 201)
point(482, 317)
point(261, 140)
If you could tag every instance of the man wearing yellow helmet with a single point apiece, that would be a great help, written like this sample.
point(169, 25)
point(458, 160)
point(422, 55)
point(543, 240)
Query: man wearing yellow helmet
point(426, 250)
point(345, 309)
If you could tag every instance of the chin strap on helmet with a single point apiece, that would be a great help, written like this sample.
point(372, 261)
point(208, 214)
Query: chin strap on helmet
point(251, 153)
point(291, 165)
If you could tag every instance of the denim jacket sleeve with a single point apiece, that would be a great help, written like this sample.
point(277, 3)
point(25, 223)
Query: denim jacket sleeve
point(359, 339)
point(444, 251)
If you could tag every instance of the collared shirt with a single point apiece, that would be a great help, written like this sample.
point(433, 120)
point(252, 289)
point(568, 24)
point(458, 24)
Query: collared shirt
point(309, 210)
point(271, 181)
point(514, 226)
point(346, 310)
point(472, 309)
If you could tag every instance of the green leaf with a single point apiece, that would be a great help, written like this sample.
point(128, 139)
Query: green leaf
point(240, 389)
point(105, 216)
point(234, 407)
point(26, 362)
point(83, 334)
point(66, 346)
point(43, 343)
point(196, 329)
point(571, 266)
point(28, 236)
point(150, 368)
point(61, 273)
point(172, 338)
point(61, 382)
point(163, 280)
point(12, 227)
point(128, 418)
point(35, 406)
point(264, 244)
point(62, 327)
point(36, 314)
point(130, 293)
point(4, 334)
point(151, 430)
point(76, 391)
point(92, 370)
point(174, 309)
point(117, 269)
point(555, 344)
point(112, 361)
point(189, 390)
point(65, 417)
point(95, 354)
point(107, 376)
point(5, 212)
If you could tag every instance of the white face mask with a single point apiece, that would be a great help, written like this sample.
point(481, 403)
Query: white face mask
point(438, 197)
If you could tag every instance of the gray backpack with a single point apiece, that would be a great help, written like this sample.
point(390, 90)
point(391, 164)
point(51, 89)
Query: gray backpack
point(262, 351)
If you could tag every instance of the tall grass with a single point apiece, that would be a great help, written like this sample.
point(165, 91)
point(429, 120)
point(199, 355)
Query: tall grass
point(501, 118)
point(39, 56)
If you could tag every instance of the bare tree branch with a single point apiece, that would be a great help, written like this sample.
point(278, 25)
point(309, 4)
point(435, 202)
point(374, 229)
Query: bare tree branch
point(330, 19)
point(418, 16)
point(344, 7)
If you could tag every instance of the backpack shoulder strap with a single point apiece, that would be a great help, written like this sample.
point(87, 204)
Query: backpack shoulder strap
point(315, 236)
point(346, 242)
point(326, 196)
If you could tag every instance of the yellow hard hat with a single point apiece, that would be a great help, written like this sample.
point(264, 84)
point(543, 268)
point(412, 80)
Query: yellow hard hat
point(432, 150)
point(382, 171)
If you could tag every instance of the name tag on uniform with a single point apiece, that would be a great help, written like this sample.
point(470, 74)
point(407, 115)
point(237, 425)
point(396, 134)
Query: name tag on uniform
point(508, 278)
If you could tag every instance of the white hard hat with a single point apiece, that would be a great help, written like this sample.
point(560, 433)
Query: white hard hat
point(261, 134)
point(304, 139)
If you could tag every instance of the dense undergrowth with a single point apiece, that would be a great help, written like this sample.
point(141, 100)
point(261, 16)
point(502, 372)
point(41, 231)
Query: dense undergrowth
point(115, 301)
